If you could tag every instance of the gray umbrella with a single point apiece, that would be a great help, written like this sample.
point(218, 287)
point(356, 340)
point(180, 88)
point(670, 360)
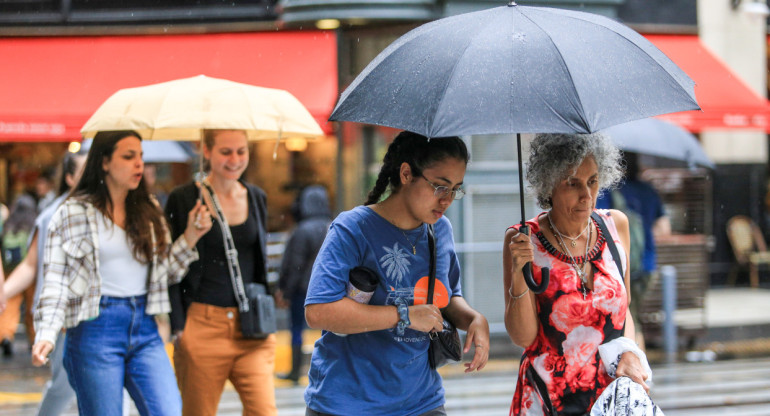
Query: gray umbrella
point(516, 69)
point(651, 136)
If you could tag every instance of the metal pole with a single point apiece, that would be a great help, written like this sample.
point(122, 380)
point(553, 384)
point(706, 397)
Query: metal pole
point(670, 341)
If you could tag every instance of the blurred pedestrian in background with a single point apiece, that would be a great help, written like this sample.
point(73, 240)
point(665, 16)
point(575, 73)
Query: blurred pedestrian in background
point(210, 348)
point(4, 214)
point(151, 177)
point(13, 242)
point(313, 217)
point(108, 260)
point(44, 189)
point(57, 393)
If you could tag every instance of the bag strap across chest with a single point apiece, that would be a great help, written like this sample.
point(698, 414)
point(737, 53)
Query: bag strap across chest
point(610, 241)
point(432, 269)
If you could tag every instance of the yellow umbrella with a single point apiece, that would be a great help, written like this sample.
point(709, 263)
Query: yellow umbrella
point(183, 108)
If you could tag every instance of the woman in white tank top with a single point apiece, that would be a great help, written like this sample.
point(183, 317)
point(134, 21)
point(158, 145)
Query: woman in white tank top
point(108, 262)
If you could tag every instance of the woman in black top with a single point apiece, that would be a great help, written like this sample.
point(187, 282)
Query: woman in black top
point(209, 347)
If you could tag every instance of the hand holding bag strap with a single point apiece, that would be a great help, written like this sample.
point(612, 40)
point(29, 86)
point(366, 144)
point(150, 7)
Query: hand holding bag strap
point(231, 253)
point(432, 269)
point(610, 241)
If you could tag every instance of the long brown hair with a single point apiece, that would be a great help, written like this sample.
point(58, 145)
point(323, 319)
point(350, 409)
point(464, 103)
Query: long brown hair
point(141, 210)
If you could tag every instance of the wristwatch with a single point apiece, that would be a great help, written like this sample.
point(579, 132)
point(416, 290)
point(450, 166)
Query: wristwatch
point(403, 316)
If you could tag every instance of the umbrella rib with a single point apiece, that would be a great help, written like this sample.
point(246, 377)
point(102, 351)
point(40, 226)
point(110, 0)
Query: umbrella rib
point(440, 101)
point(583, 117)
point(619, 31)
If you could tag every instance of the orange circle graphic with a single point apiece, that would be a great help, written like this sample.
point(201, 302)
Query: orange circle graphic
point(440, 293)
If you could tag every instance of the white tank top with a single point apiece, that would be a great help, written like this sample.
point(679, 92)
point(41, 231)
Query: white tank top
point(122, 275)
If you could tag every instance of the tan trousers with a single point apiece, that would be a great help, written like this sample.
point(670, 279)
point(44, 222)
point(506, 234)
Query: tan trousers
point(212, 351)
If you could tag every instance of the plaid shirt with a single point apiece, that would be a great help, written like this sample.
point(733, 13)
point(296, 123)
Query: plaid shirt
point(72, 284)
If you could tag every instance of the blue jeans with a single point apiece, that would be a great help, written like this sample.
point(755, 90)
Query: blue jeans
point(121, 347)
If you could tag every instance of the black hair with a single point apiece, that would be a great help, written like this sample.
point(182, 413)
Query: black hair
point(140, 207)
point(420, 153)
point(68, 167)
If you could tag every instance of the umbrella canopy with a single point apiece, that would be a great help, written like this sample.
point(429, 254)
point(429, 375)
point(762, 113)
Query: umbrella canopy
point(158, 152)
point(656, 137)
point(181, 109)
point(516, 69)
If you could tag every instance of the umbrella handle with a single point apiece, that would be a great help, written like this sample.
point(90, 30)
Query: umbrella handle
point(527, 270)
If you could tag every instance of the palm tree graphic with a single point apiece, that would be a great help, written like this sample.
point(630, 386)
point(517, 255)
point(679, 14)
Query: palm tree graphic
point(396, 264)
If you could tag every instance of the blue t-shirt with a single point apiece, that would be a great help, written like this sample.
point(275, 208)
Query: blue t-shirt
point(378, 372)
point(644, 200)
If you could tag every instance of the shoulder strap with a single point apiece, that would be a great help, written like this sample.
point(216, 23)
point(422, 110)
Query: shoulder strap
point(610, 241)
point(432, 269)
point(231, 253)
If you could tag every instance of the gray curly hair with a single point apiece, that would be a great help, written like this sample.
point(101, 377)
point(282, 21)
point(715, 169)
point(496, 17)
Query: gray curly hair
point(553, 157)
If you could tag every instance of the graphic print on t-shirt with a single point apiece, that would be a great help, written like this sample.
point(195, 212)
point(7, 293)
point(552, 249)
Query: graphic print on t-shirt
point(395, 263)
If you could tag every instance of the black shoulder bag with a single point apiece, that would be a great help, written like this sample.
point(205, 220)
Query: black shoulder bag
point(444, 346)
point(256, 307)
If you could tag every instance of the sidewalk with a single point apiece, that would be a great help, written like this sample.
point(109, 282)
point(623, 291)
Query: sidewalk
point(738, 323)
point(738, 326)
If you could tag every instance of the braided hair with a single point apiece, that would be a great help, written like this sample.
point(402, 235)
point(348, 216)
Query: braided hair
point(420, 153)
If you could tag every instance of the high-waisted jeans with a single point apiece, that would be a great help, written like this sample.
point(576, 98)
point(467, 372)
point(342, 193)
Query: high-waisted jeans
point(121, 347)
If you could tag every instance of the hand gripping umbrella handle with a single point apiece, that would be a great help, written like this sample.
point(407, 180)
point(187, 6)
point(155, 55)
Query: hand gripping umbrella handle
point(527, 270)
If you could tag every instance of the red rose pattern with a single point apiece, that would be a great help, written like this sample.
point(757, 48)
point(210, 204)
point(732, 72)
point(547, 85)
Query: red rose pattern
point(565, 352)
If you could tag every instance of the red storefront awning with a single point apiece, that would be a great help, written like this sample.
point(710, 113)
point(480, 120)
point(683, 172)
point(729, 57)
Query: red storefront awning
point(50, 86)
point(727, 102)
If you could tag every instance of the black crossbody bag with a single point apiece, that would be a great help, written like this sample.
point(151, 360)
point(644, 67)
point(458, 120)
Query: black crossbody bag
point(444, 346)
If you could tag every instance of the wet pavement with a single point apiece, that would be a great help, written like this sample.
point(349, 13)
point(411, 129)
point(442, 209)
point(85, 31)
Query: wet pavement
point(738, 330)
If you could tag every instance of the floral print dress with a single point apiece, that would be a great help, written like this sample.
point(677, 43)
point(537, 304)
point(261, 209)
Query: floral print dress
point(561, 373)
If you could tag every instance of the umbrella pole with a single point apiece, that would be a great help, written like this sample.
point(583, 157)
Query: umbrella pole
point(544, 273)
point(521, 179)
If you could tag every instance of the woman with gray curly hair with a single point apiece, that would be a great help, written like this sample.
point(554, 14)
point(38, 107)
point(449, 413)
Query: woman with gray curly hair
point(564, 370)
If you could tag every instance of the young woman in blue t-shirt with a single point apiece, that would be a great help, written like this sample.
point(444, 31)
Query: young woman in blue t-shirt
point(372, 358)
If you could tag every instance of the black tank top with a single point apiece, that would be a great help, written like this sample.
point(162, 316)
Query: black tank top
point(216, 287)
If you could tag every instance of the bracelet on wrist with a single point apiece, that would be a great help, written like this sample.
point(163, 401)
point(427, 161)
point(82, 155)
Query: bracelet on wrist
point(517, 297)
point(403, 316)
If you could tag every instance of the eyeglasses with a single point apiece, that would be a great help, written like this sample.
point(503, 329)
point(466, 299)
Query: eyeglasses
point(441, 191)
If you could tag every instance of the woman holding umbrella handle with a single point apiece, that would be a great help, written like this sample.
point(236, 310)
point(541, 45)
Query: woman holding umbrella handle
point(527, 271)
point(524, 228)
point(578, 333)
point(108, 262)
